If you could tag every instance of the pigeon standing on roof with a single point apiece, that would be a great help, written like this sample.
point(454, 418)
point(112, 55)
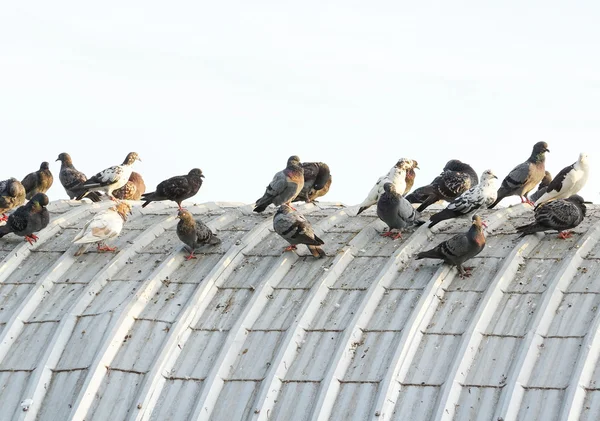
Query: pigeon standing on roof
point(70, 178)
point(395, 211)
point(460, 248)
point(28, 219)
point(177, 188)
point(12, 194)
point(410, 177)
point(193, 232)
point(480, 196)
point(110, 179)
point(542, 187)
point(38, 181)
point(103, 226)
point(560, 215)
point(396, 175)
point(524, 177)
point(569, 181)
point(317, 181)
point(295, 229)
point(284, 187)
point(133, 189)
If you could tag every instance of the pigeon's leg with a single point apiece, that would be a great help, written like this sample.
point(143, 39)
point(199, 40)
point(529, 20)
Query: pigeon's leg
point(565, 234)
point(387, 233)
point(3, 218)
point(290, 248)
point(464, 272)
point(29, 239)
point(34, 237)
point(191, 256)
point(399, 235)
point(104, 247)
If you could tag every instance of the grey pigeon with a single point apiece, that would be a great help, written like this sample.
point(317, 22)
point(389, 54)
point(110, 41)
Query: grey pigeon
point(28, 219)
point(524, 177)
point(177, 188)
point(39, 181)
point(70, 178)
point(193, 232)
point(480, 196)
point(569, 181)
point(317, 181)
point(395, 211)
point(559, 215)
point(12, 194)
point(295, 229)
point(110, 179)
point(133, 189)
point(460, 248)
point(542, 187)
point(284, 187)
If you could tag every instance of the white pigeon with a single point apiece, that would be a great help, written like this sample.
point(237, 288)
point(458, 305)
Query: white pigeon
point(110, 179)
point(101, 227)
point(396, 176)
point(569, 181)
point(481, 195)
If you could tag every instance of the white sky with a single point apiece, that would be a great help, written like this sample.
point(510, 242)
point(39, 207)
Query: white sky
point(234, 88)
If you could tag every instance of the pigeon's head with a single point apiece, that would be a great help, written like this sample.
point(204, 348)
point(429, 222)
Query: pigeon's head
point(478, 222)
point(64, 157)
point(579, 202)
point(540, 147)
point(488, 175)
point(405, 164)
point(45, 166)
point(196, 172)
point(546, 180)
point(122, 208)
point(39, 201)
point(415, 164)
point(184, 215)
point(131, 158)
point(293, 160)
point(583, 158)
point(389, 188)
point(453, 165)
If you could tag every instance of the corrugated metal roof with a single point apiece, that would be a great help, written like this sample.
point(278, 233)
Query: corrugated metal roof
point(246, 332)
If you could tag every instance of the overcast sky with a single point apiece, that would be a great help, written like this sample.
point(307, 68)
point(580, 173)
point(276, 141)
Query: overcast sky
point(235, 88)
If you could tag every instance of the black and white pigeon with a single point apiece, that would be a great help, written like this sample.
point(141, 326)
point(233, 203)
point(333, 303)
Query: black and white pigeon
point(70, 178)
point(177, 188)
point(480, 196)
point(395, 211)
point(110, 179)
point(317, 181)
point(133, 189)
point(295, 229)
point(559, 215)
point(524, 177)
point(28, 219)
point(12, 194)
point(569, 181)
point(542, 187)
point(284, 187)
point(39, 181)
point(460, 248)
point(396, 175)
point(194, 233)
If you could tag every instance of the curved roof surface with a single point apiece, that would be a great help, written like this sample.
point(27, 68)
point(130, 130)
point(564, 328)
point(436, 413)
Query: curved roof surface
point(246, 332)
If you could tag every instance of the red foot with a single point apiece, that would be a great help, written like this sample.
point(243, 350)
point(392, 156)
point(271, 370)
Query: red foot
point(387, 234)
point(399, 235)
point(106, 248)
point(391, 234)
point(290, 248)
point(35, 237)
point(191, 256)
point(467, 272)
point(31, 239)
point(3, 218)
point(565, 234)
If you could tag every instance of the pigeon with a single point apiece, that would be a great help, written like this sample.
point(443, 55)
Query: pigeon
point(524, 177)
point(194, 233)
point(12, 194)
point(317, 181)
point(395, 211)
point(28, 219)
point(103, 226)
point(560, 215)
point(455, 179)
point(70, 178)
point(38, 181)
point(480, 196)
point(569, 181)
point(295, 229)
point(177, 188)
point(396, 175)
point(410, 177)
point(419, 195)
point(284, 187)
point(460, 248)
point(110, 179)
point(133, 189)
point(542, 187)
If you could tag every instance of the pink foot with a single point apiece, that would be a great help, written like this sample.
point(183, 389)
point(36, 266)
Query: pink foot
point(290, 248)
point(565, 234)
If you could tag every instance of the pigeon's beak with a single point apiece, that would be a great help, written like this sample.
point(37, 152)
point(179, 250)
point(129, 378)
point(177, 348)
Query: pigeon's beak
point(202, 176)
point(417, 167)
point(139, 159)
point(589, 203)
point(57, 159)
point(494, 176)
point(546, 150)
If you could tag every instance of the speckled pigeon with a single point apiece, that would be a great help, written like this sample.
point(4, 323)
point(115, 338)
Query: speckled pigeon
point(542, 187)
point(284, 187)
point(194, 233)
point(70, 178)
point(460, 248)
point(456, 178)
point(177, 188)
point(28, 219)
point(524, 177)
point(569, 181)
point(395, 211)
point(317, 181)
point(103, 226)
point(295, 229)
point(560, 215)
point(133, 189)
point(12, 194)
point(39, 181)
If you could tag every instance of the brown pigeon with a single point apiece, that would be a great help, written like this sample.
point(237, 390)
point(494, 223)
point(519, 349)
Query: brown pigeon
point(12, 194)
point(133, 190)
point(560, 215)
point(317, 181)
point(70, 178)
point(38, 181)
point(28, 219)
point(177, 189)
point(284, 187)
point(194, 233)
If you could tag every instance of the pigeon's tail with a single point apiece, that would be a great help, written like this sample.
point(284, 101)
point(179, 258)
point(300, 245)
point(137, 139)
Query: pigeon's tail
point(430, 200)
point(214, 240)
point(81, 250)
point(442, 216)
point(148, 197)
point(262, 203)
point(420, 194)
point(429, 254)
point(530, 229)
point(362, 209)
point(4, 229)
point(316, 251)
point(94, 196)
point(502, 193)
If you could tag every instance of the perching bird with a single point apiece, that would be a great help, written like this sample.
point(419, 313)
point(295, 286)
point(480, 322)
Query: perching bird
point(193, 232)
point(38, 181)
point(480, 196)
point(559, 215)
point(524, 177)
point(419, 195)
point(396, 175)
point(284, 187)
point(295, 229)
point(12, 194)
point(133, 189)
point(317, 181)
point(28, 219)
point(569, 181)
point(177, 188)
point(456, 178)
point(110, 179)
point(395, 211)
point(460, 248)
point(410, 177)
point(103, 226)
point(70, 178)
point(542, 187)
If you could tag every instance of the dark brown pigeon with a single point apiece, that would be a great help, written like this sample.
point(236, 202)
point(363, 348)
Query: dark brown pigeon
point(193, 232)
point(293, 227)
point(560, 215)
point(12, 194)
point(317, 181)
point(133, 190)
point(177, 189)
point(39, 181)
point(110, 179)
point(70, 178)
point(456, 178)
point(28, 219)
point(284, 187)
point(542, 187)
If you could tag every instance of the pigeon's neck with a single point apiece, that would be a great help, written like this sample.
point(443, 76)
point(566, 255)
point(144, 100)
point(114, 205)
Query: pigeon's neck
point(294, 169)
point(537, 158)
point(476, 235)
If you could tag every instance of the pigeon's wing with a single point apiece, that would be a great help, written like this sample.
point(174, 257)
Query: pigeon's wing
point(406, 211)
point(103, 226)
point(451, 183)
point(517, 178)
point(4, 187)
point(174, 187)
point(19, 219)
point(30, 181)
point(70, 177)
point(203, 232)
point(559, 184)
point(105, 178)
point(470, 200)
point(558, 214)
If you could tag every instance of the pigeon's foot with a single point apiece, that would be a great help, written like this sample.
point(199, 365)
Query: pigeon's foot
point(466, 272)
point(3, 218)
point(106, 248)
point(35, 237)
point(191, 256)
point(290, 248)
point(565, 234)
point(111, 197)
point(529, 202)
point(31, 239)
point(399, 235)
point(387, 234)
